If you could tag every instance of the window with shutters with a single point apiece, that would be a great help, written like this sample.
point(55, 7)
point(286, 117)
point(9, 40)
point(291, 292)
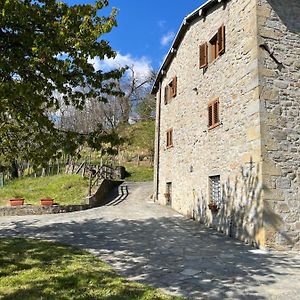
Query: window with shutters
point(169, 133)
point(215, 190)
point(209, 52)
point(170, 90)
point(213, 48)
point(213, 113)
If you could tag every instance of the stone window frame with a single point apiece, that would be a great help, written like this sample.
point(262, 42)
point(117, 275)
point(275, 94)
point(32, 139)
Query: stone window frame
point(213, 111)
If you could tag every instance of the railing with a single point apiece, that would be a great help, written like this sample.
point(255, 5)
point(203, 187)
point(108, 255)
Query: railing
point(103, 172)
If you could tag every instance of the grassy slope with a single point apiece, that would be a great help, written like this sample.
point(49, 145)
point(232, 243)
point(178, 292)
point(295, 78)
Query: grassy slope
point(139, 141)
point(42, 270)
point(139, 173)
point(65, 189)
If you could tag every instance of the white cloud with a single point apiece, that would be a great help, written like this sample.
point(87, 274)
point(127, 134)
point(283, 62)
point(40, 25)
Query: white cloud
point(141, 66)
point(167, 38)
point(162, 24)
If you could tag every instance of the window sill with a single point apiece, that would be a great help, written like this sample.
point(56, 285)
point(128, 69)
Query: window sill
point(169, 101)
point(214, 126)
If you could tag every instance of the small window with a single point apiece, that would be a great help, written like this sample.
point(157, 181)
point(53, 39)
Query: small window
point(170, 90)
point(214, 113)
point(215, 48)
point(168, 193)
point(169, 138)
point(215, 190)
point(213, 43)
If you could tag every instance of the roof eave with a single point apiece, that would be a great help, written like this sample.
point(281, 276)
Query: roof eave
point(197, 13)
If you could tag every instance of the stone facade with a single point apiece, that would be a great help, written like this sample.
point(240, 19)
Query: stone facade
point(255, 149)
point(279, 29)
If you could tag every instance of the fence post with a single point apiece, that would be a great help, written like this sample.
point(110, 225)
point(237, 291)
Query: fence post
point(90, 184)
point(1, 180)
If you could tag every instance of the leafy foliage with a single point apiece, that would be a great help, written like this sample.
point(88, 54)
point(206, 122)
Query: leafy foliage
point(46, 50)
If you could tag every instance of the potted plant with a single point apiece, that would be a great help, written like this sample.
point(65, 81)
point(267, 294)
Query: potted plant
point(167, 196)
point(213, 207)
point(47, 201)
point(17, 201)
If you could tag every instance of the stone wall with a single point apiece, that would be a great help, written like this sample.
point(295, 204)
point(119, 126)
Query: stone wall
point(279, 70)
point(231, 150)
point(40, 210)
point(106, 188)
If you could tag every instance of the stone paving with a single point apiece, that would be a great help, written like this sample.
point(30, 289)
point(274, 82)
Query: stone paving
point(153, 244)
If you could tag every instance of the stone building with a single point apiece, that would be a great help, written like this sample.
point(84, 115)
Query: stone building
point(228, 120)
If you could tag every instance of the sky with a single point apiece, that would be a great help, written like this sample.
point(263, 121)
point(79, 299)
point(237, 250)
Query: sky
point(145, 30)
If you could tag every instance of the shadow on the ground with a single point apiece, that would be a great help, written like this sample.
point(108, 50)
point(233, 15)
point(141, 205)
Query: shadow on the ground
point(170, 253)
point(32, 269)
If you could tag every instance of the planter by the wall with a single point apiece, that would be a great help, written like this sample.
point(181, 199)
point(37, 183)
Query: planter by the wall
point(16, 201)
point(213, 207)
point(47, 201)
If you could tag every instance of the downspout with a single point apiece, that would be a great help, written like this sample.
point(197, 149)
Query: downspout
point(158, 141)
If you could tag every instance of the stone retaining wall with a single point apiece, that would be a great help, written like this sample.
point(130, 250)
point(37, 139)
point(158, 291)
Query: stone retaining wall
point(40, 210)
point(96, 200)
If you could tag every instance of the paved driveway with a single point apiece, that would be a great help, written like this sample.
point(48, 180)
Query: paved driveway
point(153, 244)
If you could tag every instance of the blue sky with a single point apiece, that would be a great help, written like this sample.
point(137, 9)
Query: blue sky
point(145, 29)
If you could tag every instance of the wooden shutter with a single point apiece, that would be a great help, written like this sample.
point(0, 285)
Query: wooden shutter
point(203, 59)
point(216, 118)
point(221, 40)
point(174, 86)
point(169, 138)
point(210, 115)
point(166, 98)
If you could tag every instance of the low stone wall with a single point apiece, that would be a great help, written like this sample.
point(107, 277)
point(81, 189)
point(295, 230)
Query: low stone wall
point(40, 210)
point(98, 199)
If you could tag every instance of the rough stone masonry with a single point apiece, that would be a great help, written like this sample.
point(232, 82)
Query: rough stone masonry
point(255, 149)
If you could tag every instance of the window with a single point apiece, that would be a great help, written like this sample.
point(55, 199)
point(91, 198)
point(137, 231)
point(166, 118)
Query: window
point(214, 113)
point(213, 45)
point(210, 51)
point(171, 90)
point(168, 193)
point(169, 138)
point(215, 190)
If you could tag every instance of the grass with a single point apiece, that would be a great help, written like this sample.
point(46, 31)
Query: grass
point(139, 173)
point(64, 189)
point(33, 269)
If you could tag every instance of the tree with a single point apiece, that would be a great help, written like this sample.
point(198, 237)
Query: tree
point(46, 50)
point(146, 108)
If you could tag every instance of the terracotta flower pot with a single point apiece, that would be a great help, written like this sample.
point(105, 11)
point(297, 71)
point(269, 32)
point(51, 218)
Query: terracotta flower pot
point(47, 201)
point(213, 207)
point(16, 201)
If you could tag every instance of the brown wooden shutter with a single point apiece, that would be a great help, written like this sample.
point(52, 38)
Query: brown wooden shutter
point(174, 86)
point(216, 112)
point(169, 138)
point(210, 115)
point(166, 94)
point(203, 55)
point(221, 40)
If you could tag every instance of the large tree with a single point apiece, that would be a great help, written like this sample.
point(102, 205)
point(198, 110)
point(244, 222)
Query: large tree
point(46, 48)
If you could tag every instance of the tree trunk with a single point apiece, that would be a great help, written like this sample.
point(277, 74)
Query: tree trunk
point(14, 170)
